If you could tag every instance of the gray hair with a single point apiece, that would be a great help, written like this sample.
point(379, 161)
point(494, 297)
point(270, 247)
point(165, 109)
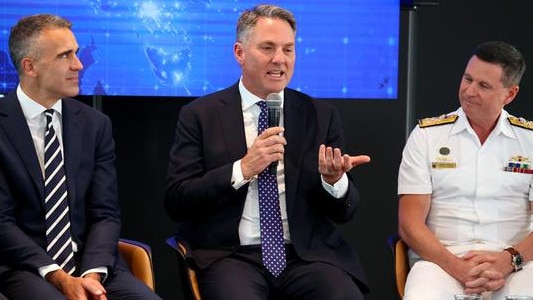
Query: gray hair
point(24, 35)
point(249, 18)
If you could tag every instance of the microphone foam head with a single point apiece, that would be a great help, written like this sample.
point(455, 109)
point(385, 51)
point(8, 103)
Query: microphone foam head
point(273, 100)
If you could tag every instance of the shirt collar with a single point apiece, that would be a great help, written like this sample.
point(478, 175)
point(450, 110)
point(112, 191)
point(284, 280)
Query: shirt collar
point(248, 99)
point(502, 127)
point(31, 108)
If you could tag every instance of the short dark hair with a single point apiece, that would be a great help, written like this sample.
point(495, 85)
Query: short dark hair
point(24, 35)
point(505, 55)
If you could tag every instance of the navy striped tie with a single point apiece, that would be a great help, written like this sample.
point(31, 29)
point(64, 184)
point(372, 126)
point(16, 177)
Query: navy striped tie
point(272, 248)
point(58, 232)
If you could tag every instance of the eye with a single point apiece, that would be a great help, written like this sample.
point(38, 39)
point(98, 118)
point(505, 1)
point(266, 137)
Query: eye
point(289, 50)
point(67, 55)
point(467, 78)
point(485, 86)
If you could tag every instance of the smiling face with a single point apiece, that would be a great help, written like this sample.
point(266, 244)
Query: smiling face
point(51, 70)
point(482, 93)
point(267, 56)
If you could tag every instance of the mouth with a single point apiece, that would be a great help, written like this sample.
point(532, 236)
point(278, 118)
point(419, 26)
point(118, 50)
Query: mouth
point(276, 73)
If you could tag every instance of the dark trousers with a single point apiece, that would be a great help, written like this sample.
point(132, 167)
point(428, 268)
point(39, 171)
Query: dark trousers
point(243, 276)
point(25, 285)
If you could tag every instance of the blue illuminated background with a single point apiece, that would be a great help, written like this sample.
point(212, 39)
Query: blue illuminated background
point(345, 48)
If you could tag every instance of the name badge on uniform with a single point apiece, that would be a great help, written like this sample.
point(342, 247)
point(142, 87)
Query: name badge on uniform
point(519, 164)
point(443, 160)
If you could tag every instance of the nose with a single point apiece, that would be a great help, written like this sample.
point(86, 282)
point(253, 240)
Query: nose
point(471, 89)
point(279, 56)
point(76, 63)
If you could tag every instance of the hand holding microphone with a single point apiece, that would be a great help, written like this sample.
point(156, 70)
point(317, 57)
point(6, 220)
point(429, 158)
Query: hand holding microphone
point(268, 143)
point(273, 102)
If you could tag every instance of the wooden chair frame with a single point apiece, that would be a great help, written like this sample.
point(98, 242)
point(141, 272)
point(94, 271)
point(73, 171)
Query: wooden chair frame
point(400, 262)
point(187, 273)
point(138, 257)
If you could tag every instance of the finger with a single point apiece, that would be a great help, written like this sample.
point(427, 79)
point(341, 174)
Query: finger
point(93, 287)
point(494, 285)
point(475, 291)
point(328, 157)
point(480, 256)
point(476, 283)
point(270, 132)
point(337, 160)
point(99, 297)
point(478, 269)
point(271, 141)
point(359, 160)
point(347, 163)
point(321, 157)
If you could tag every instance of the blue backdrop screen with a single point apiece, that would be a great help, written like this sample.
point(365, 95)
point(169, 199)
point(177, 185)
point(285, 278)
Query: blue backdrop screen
point(344, 48)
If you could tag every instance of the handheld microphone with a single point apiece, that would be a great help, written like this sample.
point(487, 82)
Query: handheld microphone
point(273, 102)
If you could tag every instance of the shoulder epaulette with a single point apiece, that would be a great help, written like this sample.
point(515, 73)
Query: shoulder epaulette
point(520, 122)
point(435, 121)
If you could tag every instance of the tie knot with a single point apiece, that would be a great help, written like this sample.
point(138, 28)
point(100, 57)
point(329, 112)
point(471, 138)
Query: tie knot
point(262, 104)
point(49, 113)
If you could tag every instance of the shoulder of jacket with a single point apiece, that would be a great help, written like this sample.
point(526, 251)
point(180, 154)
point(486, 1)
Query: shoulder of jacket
point(436, 121)
point(520, 122)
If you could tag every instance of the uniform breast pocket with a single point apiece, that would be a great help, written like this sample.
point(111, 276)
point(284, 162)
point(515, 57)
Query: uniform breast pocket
point(451, 182)
point(514, 184)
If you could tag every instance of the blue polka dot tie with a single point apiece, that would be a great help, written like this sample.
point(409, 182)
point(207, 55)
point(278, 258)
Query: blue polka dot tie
point(272, 248)
point(56, 201)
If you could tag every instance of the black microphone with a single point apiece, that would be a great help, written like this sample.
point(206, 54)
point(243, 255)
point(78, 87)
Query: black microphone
point(273, 102)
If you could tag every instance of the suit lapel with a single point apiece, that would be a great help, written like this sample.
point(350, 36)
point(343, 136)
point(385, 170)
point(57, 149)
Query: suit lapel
point(72, 139)
point(232, 123)
point(295, 118)
point(13, 123)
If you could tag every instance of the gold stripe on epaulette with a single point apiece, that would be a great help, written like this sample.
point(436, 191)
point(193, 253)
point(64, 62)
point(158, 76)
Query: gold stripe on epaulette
point(520, 122)
point(435, 121)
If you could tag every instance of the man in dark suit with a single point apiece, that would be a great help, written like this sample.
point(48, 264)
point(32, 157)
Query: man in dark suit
point(218, 158)
point(43, 49)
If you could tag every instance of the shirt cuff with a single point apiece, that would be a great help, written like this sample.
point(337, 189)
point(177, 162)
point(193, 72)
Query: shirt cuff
point(101, 270)
point(237, 179)
point(43, 271)
point(338, 189)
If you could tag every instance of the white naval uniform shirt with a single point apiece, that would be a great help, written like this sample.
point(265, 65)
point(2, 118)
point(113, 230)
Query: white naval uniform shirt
point(476, 204)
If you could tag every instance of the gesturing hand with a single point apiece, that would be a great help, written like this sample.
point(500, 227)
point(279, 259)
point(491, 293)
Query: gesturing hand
point(332, 164)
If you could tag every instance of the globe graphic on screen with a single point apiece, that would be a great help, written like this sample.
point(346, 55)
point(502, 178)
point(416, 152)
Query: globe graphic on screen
point(161, 31)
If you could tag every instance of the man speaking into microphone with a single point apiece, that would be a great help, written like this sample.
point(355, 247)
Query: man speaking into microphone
point(258, 180)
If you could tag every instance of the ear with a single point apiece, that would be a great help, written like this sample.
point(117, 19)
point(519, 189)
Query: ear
point(511, 93)
point(28, 67)
point(238, 51)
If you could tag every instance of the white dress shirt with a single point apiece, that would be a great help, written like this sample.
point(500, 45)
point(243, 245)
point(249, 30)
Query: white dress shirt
point(249, 227)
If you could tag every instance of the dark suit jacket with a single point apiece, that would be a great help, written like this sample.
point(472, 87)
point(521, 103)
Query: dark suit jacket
point(92, 190)
point(210, 137)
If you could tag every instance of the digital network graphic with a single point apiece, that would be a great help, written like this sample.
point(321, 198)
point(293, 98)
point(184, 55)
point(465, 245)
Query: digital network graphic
point(344, 49)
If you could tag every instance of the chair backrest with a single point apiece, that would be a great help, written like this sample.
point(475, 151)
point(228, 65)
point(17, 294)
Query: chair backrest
point(138, 256)
point(400, 262)
point(187, 273)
